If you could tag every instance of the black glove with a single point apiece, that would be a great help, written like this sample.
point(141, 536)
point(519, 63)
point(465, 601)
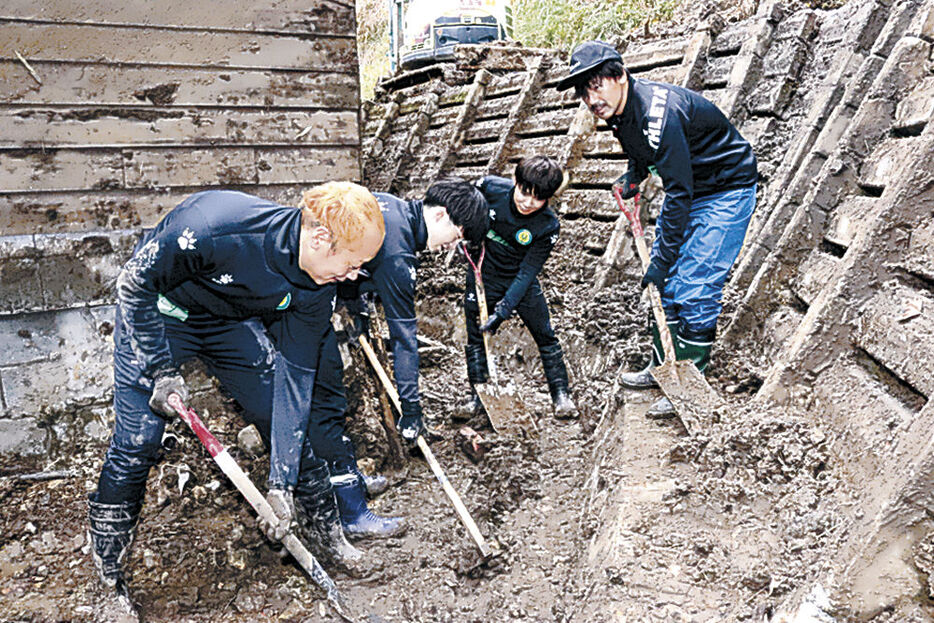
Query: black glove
point(167, 382)
point(283, 506)
point(411, 424)
point(656, 274)
point(492, 324)
point(359, 325)
point(628, 185)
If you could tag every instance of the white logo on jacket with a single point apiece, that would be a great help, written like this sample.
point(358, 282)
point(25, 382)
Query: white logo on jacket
point(223, 280)
point(656, 116)
point(187, 240)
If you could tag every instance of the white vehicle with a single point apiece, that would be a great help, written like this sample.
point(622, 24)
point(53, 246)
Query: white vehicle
point(425, 31)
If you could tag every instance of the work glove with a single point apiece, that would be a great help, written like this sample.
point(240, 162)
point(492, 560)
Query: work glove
point(412, 423)
point(359, 325)
point(656, 274)
point(283, 506)
point(166, 383)
point(492, 324)
point(628, 185)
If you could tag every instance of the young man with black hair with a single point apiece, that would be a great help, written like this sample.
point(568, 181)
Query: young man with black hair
point(709, 175)
point(523, 230)
point(452, 210)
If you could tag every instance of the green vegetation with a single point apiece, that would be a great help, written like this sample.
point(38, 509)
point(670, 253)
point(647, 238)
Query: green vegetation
point(538, 23)
point(372, 43)
point(565, 23)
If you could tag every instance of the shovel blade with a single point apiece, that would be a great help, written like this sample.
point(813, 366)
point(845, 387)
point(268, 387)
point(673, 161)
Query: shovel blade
point(690, 393)
point(504, 407)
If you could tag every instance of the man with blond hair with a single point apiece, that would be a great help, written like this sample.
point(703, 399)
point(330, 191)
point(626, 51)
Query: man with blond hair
point(246, 286)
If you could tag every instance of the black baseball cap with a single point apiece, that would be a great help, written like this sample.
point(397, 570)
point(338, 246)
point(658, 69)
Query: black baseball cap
point(585, 57)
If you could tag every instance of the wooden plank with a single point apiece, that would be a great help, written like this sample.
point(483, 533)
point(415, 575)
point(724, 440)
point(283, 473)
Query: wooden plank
point(317, 16)
point(591, 203)
point(550, 120)
point(38, 169)
point(847, 219)
point(602, 143)
point(597, 171)
point(444, 116)
point(295, 166)
point(475, 154)
point(139, 126)
point(539, 145)
point(717, 71)
point(510, 82)
point(231, 166)
point(80, 84)
point(815, 272)
point(487, 129)
point(498, 107)
point(46, 212)
point(883, 166)
point(109, 44)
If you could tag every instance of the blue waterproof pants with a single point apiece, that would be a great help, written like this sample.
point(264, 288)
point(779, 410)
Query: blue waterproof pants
point(242, 357)
point(714, 236)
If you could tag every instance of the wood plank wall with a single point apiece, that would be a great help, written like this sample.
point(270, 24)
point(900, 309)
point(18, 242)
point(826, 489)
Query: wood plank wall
point(141, 103)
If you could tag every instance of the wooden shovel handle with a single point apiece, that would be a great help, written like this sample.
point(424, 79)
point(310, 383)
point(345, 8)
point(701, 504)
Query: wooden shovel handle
point(452, 494)
point(632, 215)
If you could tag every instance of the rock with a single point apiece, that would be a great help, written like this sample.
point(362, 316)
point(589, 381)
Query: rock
point(22, 437)
point(473, 445)
point(249, 440)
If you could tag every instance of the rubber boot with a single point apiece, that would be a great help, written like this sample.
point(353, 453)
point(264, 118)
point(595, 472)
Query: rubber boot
point(111, 531)
point(375, 484)
point(477, 372)
point(320, 526)
point(358, 521)
point(695, 348)
point(556, 373)
point(643, 379)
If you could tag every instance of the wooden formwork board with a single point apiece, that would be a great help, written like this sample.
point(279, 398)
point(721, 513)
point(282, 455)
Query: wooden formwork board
point(484, 130)
point(730, 40)
point(50, 212)
point(508, 84)
point(84, 170)
point(117, 45)
point(597, 171)
point(847, 218)
point(495, 108)
point(444, 116)
point(536, 146)
point(546, 121)
point(601, 143)
point(299, 16)
point(882, 167)
point(475, 154)
point(139, 126)
point(814, 273)
point(104, 85)
point(590, 203)
point(903, 344)
point(717, 71)
point(655, 54)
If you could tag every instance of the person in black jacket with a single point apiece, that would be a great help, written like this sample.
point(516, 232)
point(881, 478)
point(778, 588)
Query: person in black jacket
point(709, 175)
point(247, 286)
point(453, 209)
point(523, 231)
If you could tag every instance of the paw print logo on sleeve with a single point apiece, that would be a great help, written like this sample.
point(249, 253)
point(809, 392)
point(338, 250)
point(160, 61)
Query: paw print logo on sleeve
point(186, 242)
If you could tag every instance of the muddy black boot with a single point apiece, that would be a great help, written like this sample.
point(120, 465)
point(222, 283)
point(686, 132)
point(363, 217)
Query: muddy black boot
point(477, 372)
point(111, 531)
point(556, 373)
point(643, 379)
point(320, 526)
point(358, 521)
point(694, 347)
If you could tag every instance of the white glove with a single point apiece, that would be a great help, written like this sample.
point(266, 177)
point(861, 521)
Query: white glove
point(283, 506)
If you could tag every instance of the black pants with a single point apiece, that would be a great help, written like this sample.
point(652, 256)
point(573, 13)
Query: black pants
point(532, 309)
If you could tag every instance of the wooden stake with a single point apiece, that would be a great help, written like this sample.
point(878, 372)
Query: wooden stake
point(27, 66)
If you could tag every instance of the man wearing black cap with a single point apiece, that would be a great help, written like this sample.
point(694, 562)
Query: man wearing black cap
point(709, 174)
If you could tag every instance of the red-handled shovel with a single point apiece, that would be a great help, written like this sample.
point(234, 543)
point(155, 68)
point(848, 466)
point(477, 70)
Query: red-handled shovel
point(681, 381)
point(243, 483)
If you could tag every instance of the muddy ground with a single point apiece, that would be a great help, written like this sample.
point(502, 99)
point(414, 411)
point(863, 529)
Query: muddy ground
point(612, 517)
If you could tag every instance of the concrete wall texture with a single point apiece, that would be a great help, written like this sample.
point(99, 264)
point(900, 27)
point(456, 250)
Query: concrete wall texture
point(832, 301)
point(111, 113)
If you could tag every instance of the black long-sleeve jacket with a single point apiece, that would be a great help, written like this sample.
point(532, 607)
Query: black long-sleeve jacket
point(517, 245)
point(692, 146)
point(233, 256)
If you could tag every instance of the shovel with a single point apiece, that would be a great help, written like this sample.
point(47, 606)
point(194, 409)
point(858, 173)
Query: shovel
point(449, 489)
point(246, 487)
point(687, 389)
point(504, 407)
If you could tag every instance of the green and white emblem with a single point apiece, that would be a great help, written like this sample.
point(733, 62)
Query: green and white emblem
point(523, 236)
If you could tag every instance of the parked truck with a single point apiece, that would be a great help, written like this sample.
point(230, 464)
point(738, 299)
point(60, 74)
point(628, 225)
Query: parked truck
point(425, 31)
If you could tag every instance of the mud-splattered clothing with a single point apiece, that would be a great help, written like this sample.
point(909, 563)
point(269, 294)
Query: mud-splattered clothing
point(517, 247)
point(703, 161)
point(219, 278)
point(690, 143)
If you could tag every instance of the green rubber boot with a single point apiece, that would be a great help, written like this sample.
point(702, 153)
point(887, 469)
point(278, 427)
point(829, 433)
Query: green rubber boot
point(643, 379)
point(696, 350)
